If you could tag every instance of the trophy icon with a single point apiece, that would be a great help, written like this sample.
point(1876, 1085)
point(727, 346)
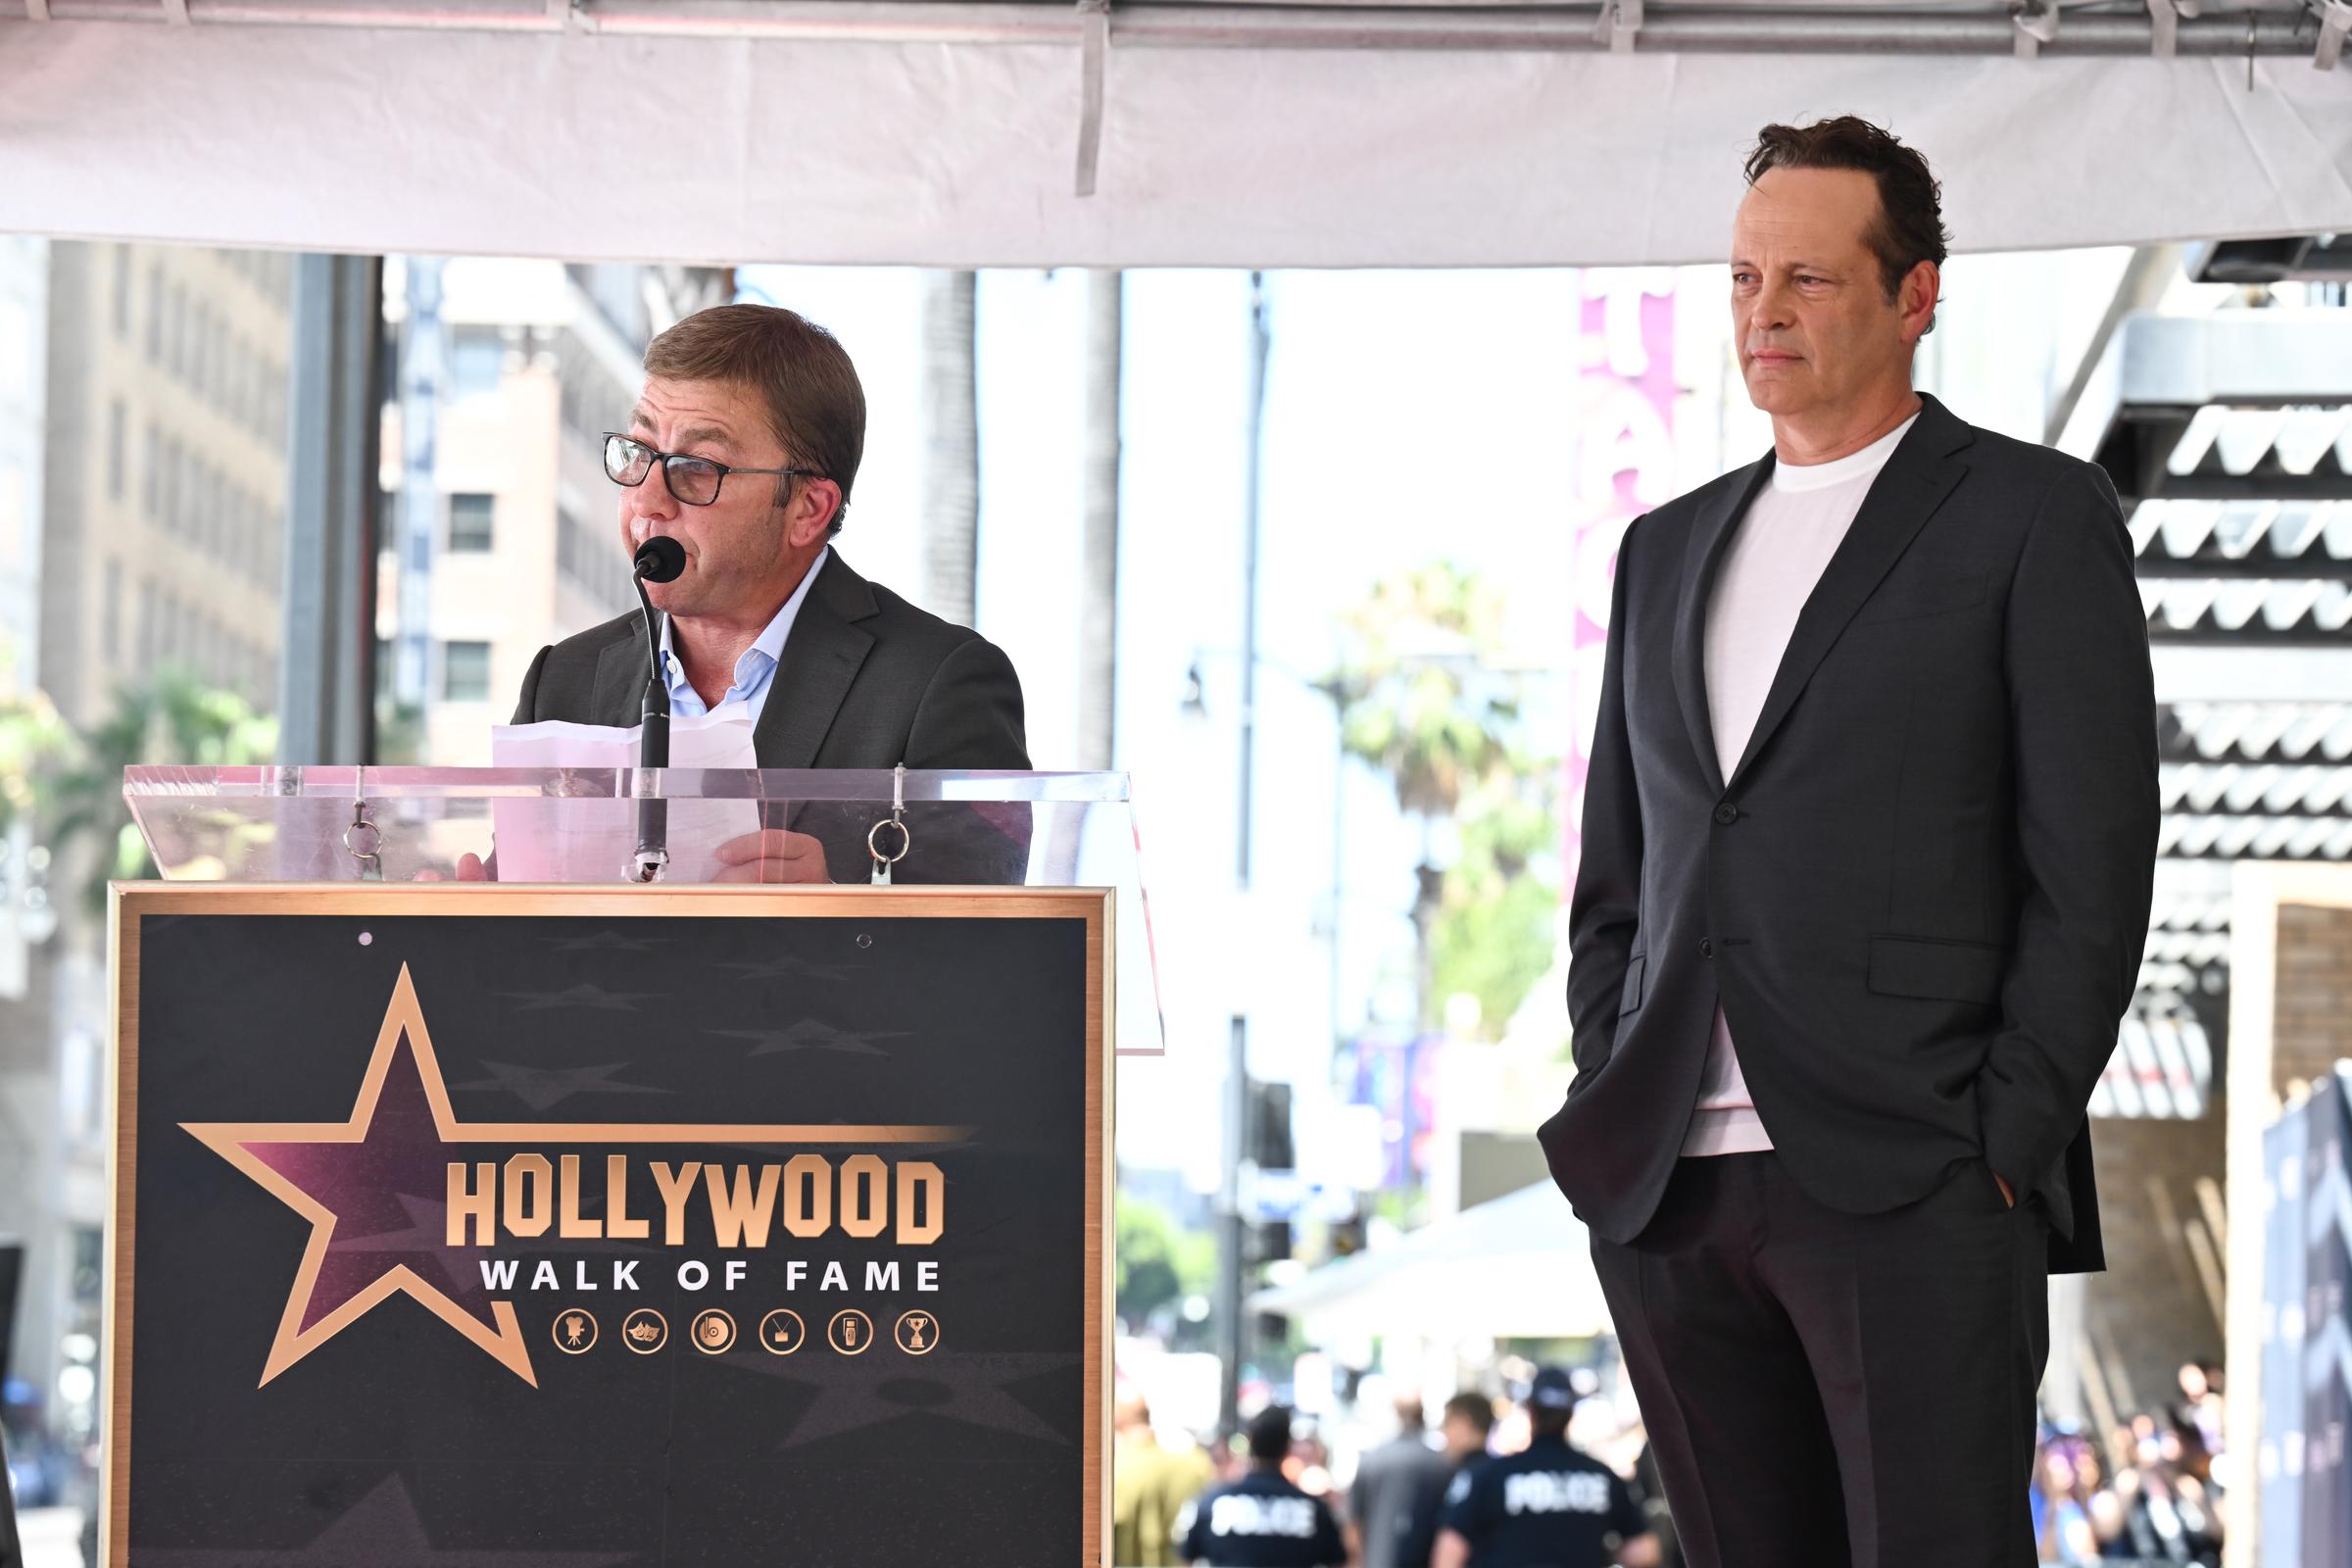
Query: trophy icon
point(918, 1333)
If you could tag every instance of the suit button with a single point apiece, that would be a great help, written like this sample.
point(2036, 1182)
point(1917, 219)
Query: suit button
point(1727, 813)
point(1707, 946)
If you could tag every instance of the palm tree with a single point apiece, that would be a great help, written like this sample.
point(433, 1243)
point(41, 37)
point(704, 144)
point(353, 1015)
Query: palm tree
point(1419, 700)
point(173, 717)
point(34, 743)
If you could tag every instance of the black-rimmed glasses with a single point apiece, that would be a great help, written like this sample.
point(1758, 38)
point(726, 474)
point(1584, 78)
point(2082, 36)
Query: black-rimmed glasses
point(693, 480)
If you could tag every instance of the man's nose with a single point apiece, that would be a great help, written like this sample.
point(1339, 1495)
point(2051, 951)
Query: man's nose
point(1770, 310)
point(645, 509)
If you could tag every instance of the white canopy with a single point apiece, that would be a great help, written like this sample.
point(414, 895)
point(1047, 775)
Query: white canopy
point(953, 134)
point(1515, 1267)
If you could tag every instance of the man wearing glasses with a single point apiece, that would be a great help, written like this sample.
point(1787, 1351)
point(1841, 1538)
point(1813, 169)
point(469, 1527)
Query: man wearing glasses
point(742, 448)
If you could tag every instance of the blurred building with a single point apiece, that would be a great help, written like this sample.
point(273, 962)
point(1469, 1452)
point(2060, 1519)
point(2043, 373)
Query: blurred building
point(23, 460)
point(500, 535)
point(142, 510)
point(27, 1086)
point(167, 488)
point(24, 361)
point(2227, 433)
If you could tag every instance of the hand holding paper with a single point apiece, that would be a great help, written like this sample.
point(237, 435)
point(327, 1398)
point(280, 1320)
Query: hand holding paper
point(591, 840)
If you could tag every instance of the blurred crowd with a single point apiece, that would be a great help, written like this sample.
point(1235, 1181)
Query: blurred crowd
point(2145, 1495)
point(1497, 1484)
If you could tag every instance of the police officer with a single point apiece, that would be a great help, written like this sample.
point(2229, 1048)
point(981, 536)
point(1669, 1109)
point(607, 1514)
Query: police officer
point(1546, 1506)
point(1260, 1520)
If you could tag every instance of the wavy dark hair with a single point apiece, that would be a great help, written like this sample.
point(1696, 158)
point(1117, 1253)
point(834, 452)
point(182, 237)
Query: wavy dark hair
point(1910, 227)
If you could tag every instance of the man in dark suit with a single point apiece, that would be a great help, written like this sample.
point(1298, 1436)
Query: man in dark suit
point(1868, 841)
point(743, 447)
point(1392, 1502)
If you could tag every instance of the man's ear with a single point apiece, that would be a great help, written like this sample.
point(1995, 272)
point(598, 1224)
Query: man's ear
point(1920, 294)
point(809, 512)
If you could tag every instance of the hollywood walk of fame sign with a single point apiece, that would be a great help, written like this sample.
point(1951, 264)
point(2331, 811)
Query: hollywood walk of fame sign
point(459, 1213)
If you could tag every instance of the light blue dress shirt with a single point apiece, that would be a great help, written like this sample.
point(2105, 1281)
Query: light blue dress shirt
point(755, 672)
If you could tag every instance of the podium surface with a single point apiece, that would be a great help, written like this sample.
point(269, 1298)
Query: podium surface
point(670, 1224)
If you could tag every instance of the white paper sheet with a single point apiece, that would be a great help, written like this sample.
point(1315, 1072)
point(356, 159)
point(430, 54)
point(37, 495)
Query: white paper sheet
point(593, 840)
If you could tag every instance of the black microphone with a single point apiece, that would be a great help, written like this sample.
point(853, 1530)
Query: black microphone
point(659, 558)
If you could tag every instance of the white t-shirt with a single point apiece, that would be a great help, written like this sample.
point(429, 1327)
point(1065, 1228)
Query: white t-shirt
point(1792, 529)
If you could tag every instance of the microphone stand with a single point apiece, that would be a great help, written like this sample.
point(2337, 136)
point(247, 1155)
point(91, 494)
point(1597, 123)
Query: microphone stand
point(652, 753)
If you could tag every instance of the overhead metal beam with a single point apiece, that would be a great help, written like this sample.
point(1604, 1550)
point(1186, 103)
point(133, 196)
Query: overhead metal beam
point(2277, 30)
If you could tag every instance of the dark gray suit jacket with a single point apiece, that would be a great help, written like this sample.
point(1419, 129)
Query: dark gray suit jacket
point(866, 681)
point(1922, 896)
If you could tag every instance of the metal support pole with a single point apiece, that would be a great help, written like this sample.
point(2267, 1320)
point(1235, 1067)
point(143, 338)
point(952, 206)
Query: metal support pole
point(422, 370)
point(1099, 548)
point(1252, 484)
point(326, 665)
point(1231, 1336)
point(2277, 29)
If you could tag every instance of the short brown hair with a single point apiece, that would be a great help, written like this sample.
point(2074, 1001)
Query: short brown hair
point(1475, 1408)
point(816, 406)
point(1910, 227)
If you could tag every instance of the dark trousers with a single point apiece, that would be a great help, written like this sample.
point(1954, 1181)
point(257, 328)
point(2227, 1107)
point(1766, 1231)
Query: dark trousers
point(1824, 1387)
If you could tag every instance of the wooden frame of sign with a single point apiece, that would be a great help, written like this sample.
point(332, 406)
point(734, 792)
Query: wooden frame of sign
point(383, 1294)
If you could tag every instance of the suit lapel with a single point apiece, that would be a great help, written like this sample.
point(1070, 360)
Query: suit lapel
point(822, 657)
point(1904, 496)
point(618, 698)
point(1702, 553)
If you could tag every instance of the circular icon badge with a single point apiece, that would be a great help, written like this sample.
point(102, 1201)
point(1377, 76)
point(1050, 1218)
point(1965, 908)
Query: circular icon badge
point(917, 1332)
point(714, 1332)
point(850, 1331)
point(782, 1332)
point(645, 1331)
point(575, 1331)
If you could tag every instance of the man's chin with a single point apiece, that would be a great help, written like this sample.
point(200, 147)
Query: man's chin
point(1773, 394)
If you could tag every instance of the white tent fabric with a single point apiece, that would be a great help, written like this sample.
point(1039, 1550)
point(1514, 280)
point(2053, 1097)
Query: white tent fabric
point(1516, 1267)
point(730, 149)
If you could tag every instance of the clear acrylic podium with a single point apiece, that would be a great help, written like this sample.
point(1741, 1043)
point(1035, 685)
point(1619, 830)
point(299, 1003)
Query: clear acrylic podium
point(579, 827)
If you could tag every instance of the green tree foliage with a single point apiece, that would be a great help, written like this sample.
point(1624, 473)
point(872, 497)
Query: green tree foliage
point(1158, 1262)
point(1417, 700)
point(1497, 914)
point(36, 744)
point(172, 717)
point(1423, 701)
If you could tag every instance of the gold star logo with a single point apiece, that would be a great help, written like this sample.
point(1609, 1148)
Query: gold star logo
point(349, 1177)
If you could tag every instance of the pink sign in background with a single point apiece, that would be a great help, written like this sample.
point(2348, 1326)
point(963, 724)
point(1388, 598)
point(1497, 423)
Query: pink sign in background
point(1623, 465)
